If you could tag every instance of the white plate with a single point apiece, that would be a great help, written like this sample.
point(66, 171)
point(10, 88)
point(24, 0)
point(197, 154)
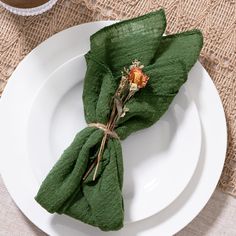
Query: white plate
point(15, 106)
point(153, 158)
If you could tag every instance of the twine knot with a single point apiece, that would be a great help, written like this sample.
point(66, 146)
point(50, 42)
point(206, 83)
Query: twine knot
point(105, 128)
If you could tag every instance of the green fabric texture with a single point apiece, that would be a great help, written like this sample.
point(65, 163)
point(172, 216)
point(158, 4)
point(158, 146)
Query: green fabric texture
point(167, 60)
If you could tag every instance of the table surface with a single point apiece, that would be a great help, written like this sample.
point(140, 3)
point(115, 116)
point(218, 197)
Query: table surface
point(216, 19)
point(217, 218)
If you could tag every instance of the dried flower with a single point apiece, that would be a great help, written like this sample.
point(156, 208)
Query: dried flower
point(125, 109)
point(136, 76)
point(136, 63)
point(131, 81)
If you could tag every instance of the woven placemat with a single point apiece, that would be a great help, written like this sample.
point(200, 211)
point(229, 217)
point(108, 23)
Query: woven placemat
point(216, 18)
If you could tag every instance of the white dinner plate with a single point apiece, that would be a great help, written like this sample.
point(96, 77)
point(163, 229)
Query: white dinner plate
point(153, 158)
point(17, 169)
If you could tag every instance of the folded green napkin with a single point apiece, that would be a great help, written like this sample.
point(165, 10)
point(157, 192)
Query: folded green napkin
point(166, 60)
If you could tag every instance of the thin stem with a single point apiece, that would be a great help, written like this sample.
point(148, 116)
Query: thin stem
point(90, 169)
point(100, 155)
point(104, 141)
point(130, 94)
point(114, 117)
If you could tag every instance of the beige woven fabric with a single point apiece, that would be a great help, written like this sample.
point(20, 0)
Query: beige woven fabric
point(216, 18)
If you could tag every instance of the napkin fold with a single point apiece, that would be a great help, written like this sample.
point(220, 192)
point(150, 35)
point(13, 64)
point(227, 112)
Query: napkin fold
point(167, 60)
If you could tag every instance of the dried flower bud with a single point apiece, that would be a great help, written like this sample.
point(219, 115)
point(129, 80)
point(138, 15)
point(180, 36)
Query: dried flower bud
point(125, 109)
point(136, 76)
point(133, 87)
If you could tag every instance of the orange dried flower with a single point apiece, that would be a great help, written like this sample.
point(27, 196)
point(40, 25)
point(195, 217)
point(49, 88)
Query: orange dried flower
point(136, 76)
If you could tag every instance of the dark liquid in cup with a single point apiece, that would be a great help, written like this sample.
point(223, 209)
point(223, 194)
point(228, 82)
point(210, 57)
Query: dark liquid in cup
point(25, 3)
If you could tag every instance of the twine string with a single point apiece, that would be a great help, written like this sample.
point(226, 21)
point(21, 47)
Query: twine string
point(107, 132)
point(105, 128)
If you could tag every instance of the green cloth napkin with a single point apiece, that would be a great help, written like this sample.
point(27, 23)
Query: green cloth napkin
point(167, 60)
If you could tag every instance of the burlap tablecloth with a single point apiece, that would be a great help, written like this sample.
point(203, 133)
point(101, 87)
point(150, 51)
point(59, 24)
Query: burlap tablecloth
point(216, 18)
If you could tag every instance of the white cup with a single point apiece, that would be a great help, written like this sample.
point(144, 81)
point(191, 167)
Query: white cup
point(32, 9)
